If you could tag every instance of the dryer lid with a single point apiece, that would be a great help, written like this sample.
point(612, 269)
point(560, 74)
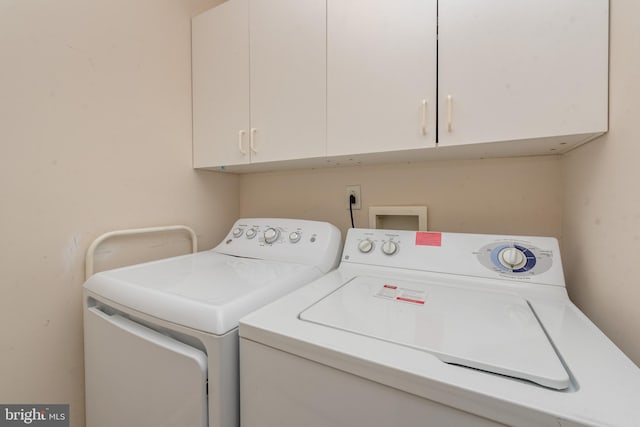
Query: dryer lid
point(493, 332)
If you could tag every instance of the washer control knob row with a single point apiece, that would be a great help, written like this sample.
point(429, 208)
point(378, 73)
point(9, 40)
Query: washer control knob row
point(389, 247)
point(365, 246)
point(294, 237)
point(271, 235)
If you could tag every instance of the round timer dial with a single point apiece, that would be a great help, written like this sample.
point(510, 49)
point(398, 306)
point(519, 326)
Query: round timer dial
point(271, 235)
point(512, 258)
point(515, 258)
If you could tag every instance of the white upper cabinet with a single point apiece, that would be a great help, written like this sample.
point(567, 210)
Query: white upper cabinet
point(381, 78)
point(220, 72)
point(259, 82)
point(516, 70)
point(311, 83)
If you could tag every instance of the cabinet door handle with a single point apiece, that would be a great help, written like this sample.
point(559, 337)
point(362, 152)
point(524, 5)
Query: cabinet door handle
point(252, 140)
point(424, 117)
point(240, 135)
point(449, 112)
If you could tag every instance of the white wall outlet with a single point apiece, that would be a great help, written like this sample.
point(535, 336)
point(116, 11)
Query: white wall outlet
point(355, 191)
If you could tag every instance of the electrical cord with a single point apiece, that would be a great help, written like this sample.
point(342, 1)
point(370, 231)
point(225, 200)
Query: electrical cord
point(352, 201)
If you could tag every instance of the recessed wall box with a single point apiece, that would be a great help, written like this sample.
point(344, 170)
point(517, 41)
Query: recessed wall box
point(398, 217)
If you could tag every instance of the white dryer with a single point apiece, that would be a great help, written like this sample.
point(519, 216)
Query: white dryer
point(438, 329)
point(161, 338)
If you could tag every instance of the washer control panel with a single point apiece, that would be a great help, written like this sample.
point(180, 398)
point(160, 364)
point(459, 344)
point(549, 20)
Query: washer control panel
point(280, 239)
point(535, 259)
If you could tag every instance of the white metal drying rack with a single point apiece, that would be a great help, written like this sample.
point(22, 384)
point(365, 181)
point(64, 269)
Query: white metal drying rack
point(88, 271)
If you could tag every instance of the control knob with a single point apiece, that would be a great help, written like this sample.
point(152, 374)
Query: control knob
point(237, 232)
point(365, 246)
point(512, 258)
point(389, 247)
point(271, 235)
point(251, 233)
point(294, 237)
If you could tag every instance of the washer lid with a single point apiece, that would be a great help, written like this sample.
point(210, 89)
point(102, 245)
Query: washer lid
point(493, 332)
point(207, 291)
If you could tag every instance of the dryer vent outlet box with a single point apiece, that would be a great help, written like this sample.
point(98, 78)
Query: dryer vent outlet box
point(398, 217)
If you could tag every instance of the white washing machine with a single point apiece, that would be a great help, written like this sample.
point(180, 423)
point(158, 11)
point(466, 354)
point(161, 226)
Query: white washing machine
point(161, 338)
point(438, 329)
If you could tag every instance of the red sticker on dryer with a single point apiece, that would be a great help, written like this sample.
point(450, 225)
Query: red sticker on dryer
point(425, 238)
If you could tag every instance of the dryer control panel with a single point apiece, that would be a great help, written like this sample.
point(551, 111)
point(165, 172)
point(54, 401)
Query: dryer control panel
point(526, 258)
point(287, 240)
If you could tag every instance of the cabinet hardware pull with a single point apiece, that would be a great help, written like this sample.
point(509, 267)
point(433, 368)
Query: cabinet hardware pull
point(240, 135)
point(449, 112)
point(424, 117)
point(252, 140)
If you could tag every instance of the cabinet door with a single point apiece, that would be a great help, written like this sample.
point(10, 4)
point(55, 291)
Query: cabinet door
point(517, 69)
point(288, 79)
point(220, 49)
point(381, 67)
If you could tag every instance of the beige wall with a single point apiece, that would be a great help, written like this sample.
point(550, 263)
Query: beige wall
point(95, 135)
point(510, 196)
point(601, 222)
